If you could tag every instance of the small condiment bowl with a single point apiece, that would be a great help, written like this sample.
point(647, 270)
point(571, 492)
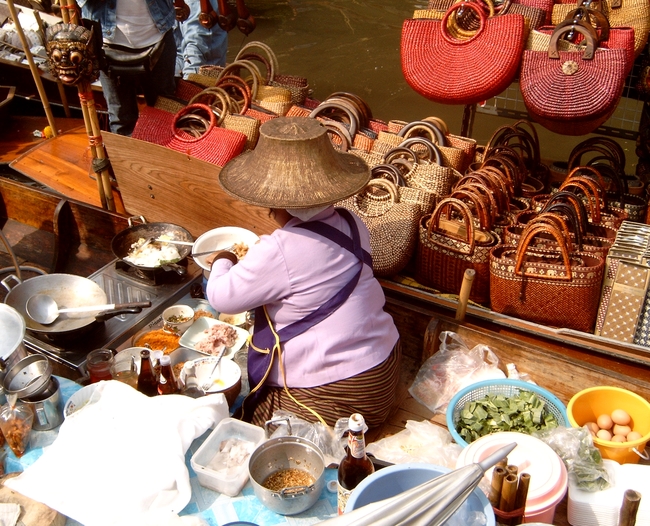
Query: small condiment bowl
point(178, 318)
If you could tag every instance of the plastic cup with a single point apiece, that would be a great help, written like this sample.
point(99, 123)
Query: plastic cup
point(126, 372)
point(98, 365)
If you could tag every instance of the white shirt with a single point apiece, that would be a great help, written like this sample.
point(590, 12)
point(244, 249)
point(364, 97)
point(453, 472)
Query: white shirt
point(135, 26)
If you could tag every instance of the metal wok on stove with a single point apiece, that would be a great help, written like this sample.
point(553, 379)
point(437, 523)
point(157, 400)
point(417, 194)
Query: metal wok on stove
point(67, 290)
point(123, 242)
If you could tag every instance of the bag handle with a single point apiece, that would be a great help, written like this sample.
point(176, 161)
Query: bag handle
point(434, 224)
point(571, 199)
point(339, 129)
point(433, 153)
point(490, 184)
point(583, 15)
point(423, 128)
point(566, 219)
point(213, 95)
point(527, 237)
point(484, 212)
point(590, 193)
point(234, 68)
point(360, 106)
point(254, 57)
point(388, 171)
point(353, 118)
point(500, 178)
point(238, 84)
point(384, 184)
point(445, 28)
point(591, 173)
point(438, 123)
point(402, 156)
point(190, 109)
point(580, 28)
point(272, 58)
point(610, 144)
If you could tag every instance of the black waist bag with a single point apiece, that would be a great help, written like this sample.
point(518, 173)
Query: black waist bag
point(122, 60)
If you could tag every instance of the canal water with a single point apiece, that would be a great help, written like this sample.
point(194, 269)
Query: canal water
point(354, 46)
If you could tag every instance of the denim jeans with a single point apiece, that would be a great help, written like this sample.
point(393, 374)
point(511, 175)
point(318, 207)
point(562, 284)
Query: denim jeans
point(196, 45)
point(121, 92)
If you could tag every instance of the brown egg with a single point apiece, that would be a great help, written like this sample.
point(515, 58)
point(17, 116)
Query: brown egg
point(633, 435)
point(592, 427)
point(621, 430)
point(620, 417)
point(603, 434)
point(619, 438)
point(604, 421)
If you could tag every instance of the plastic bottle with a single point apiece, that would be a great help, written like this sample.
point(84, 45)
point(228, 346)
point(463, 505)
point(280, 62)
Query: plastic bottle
point(147, 383)
point(167, 383)
point(356, 465)
point(192, 387)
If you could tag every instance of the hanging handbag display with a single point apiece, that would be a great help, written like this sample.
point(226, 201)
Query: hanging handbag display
point(462, 70)
point(192, 131)
point(447, 247)
point(559, 289)
point(393, 225)
point(572, 92)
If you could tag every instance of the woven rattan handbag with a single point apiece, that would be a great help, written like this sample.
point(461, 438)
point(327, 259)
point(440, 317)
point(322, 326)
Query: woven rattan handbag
point(452, 70)
point(559, 289)
point(393, 225)
point(447, 247)
point(192, 131)
point(570, 92)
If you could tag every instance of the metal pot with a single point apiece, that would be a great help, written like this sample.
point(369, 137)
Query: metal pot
point(285, 453)
point(47, 406)
point(67, 290)
point(12, 328)
point(123, 242)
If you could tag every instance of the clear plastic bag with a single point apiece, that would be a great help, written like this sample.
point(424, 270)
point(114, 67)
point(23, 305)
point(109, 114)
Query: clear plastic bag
point(453, 367)
point(321, 435)
point(582, 459)
point(418, 442)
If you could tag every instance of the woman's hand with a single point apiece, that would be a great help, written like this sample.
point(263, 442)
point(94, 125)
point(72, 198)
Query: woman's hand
point(223, 254)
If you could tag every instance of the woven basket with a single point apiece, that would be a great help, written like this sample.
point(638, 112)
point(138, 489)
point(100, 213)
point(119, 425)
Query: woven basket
point(372, 159)
point(433, 178)
point(169, 104)
point(210, 71)
point(245, 124)
point(507, 388)
point(392, 225)
point(202, 80)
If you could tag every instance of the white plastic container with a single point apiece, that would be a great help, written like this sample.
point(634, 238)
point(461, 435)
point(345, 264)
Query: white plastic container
point(601, 508)
point(223, 468)
point(548, 474)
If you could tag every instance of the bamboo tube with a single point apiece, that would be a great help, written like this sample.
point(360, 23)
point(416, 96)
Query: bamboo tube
point(508, 493)
point(32, 66)
point(503, 463)
point(463, 297)
point(631, 501)
point(511, 469)
point(522, 495)
point(498, 474)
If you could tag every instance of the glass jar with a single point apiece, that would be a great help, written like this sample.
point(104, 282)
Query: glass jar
point(98, 365)
point(16, 425)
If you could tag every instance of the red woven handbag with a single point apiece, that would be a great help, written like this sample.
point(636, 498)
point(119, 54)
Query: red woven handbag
point(559, 289)
point(453, 70)
point(572, 92)
point(212, 144)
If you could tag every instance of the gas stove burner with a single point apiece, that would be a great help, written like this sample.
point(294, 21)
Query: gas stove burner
point(158, 276)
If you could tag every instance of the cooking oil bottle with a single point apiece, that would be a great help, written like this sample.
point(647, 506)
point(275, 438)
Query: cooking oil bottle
point(356, 465)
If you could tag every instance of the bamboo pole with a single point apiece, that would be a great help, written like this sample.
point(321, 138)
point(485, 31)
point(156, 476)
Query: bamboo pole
point(522, 495)
point(33, 68)
point(629, 508)
point(508, 493)
point(463, 297)
point(498, 474)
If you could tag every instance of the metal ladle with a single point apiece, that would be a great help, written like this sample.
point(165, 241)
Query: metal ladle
point(43, 309)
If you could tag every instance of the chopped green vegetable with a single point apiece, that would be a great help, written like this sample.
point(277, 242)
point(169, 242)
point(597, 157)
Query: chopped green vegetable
point(524, 412)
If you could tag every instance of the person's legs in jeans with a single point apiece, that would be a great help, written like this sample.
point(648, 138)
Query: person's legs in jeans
point(161, 80)
point(121, 96)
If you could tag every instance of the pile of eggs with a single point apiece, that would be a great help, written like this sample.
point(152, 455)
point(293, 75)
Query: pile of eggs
point(614, 427)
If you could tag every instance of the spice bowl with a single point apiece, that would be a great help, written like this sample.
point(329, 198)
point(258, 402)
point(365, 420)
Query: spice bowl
point(221, 462)
point(178, 318)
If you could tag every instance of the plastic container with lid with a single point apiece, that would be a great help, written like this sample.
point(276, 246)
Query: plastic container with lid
point(548, 475)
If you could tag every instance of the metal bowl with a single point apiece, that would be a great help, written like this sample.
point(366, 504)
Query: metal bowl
point(285, 453)
point(28, 377)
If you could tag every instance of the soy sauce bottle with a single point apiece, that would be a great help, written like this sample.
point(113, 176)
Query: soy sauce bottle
point(147, 383)
point(356, 465)
point(167, 383)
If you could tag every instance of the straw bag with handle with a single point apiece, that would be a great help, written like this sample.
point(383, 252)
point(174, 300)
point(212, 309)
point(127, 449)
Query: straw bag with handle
point(448, 246)
point(460, 70)
point(559, 289)
point(392, 225)
point(570, 92)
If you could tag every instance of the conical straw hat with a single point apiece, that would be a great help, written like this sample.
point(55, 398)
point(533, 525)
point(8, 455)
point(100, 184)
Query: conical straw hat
point(294, 165)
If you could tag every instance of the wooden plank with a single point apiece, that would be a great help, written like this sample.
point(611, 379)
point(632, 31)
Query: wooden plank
point(63, 163)
point(164, 185)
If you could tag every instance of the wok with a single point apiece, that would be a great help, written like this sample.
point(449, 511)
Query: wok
point(123, 242)
point(67, 290)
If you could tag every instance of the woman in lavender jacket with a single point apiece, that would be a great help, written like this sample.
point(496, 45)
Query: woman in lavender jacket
point(323, 347)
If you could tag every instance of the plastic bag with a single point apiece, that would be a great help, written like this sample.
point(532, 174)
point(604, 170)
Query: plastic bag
point(453, 367)
point(583, 460)
point(418, 442)
point(321, 435)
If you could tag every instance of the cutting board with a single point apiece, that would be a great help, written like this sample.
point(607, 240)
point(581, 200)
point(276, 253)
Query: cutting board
point(32, 513)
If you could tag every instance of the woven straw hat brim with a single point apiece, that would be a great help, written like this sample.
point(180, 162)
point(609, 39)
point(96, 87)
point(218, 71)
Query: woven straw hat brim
point(294, 165)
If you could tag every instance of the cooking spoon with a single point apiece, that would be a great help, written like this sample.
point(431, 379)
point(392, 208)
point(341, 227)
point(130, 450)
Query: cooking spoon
point(210, 381)
point(43, 308)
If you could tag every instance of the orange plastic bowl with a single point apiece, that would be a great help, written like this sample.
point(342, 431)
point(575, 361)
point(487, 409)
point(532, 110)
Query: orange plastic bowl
point(588, 404)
